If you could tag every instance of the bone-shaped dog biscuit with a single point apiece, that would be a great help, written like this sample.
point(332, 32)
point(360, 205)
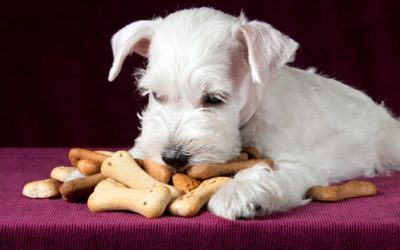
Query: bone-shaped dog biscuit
point(76, 154)
point(208, 170)
point(105, 152)
point(347, 190)
point(123, 168)
point(252, 152)
point(81, 188)
point(184, 183)
point(248, 153)
point(110, 195)
point(93, 159)
point(190, 204)
point(60, 173)
point(88, 167)
point(243, 156)
point(158, 171)
point(41, 189)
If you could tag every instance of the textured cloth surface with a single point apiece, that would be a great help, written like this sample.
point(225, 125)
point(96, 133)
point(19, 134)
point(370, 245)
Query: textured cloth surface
point(363, 223)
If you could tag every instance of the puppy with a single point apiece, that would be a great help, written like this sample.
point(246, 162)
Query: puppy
point(216, 82)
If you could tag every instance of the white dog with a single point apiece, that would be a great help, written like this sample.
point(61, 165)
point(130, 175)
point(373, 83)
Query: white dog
point(217, 82)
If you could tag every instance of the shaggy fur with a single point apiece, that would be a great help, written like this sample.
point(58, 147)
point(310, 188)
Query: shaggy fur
point(317, 130)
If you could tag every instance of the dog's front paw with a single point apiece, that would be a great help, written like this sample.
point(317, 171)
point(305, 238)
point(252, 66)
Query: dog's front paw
point(244, 197)
point(232, 201)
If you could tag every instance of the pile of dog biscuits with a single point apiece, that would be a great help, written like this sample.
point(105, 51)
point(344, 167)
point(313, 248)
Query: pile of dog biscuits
point(116, 181)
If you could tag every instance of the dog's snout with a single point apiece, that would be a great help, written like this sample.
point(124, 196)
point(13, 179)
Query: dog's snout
point(175, 159)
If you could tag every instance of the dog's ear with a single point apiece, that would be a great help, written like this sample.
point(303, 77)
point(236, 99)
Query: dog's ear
point(134, 37)
point(267, 49)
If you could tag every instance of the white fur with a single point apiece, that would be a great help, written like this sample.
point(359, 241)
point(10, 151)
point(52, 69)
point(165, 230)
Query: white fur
point(317, 130)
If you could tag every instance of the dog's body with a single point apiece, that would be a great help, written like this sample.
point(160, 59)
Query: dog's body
point(217, 83)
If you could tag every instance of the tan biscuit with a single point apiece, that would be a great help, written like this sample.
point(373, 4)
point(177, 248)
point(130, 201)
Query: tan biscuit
point(88, 167)
point(110, 195)
point(124, 169)
point(208, 170)
point(242, 157)
point(81, 188)
point(252, 152)
point(348, 190)
point(190, 204)
point(76, 154)
point(60, 173)
point(184, 183)
point(139, 162)
point(158, 171)
point(41, 189)
point(105, 152)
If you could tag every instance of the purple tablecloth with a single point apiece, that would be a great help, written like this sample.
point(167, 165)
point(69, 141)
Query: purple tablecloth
point(367, 223)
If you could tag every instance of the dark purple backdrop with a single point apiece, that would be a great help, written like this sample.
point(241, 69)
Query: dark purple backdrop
point(56, 56)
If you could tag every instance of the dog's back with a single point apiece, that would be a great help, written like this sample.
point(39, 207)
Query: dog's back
point(313, 118)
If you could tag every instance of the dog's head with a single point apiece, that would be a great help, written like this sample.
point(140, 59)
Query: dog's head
point(203, 74)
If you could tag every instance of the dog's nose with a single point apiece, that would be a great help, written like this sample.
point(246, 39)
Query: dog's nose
point(175, 159)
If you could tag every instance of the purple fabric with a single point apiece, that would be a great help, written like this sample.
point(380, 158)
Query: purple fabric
point(56, 56)
point(362, 223)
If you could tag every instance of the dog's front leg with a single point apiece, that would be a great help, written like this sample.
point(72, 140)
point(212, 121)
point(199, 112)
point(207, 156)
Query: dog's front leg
point(259, 190)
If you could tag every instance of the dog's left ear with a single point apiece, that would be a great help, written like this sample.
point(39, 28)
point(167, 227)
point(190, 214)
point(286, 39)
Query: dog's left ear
point(267, 49)
point(134, 37)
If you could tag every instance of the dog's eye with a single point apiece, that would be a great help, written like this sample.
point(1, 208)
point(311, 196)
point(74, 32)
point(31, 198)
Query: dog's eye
point(143, 91)
point(156, 97)
point(211, 100)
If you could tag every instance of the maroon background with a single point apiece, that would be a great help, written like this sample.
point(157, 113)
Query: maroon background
point(56, 56)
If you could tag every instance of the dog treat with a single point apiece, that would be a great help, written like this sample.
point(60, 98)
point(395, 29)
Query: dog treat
point(124, 169)
point(242, 157)
point(208, 170)
point(88, 167)
point(74, 176)
point(41, 189)
point(105, 152)
point(252, 152)
point(156, 170)
point(81, 188)
point(348, 190)
point(190, 204)
point(110, 195)
point(184, 183)
point(77, 154)
point(139, 162)
point(61, 173)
